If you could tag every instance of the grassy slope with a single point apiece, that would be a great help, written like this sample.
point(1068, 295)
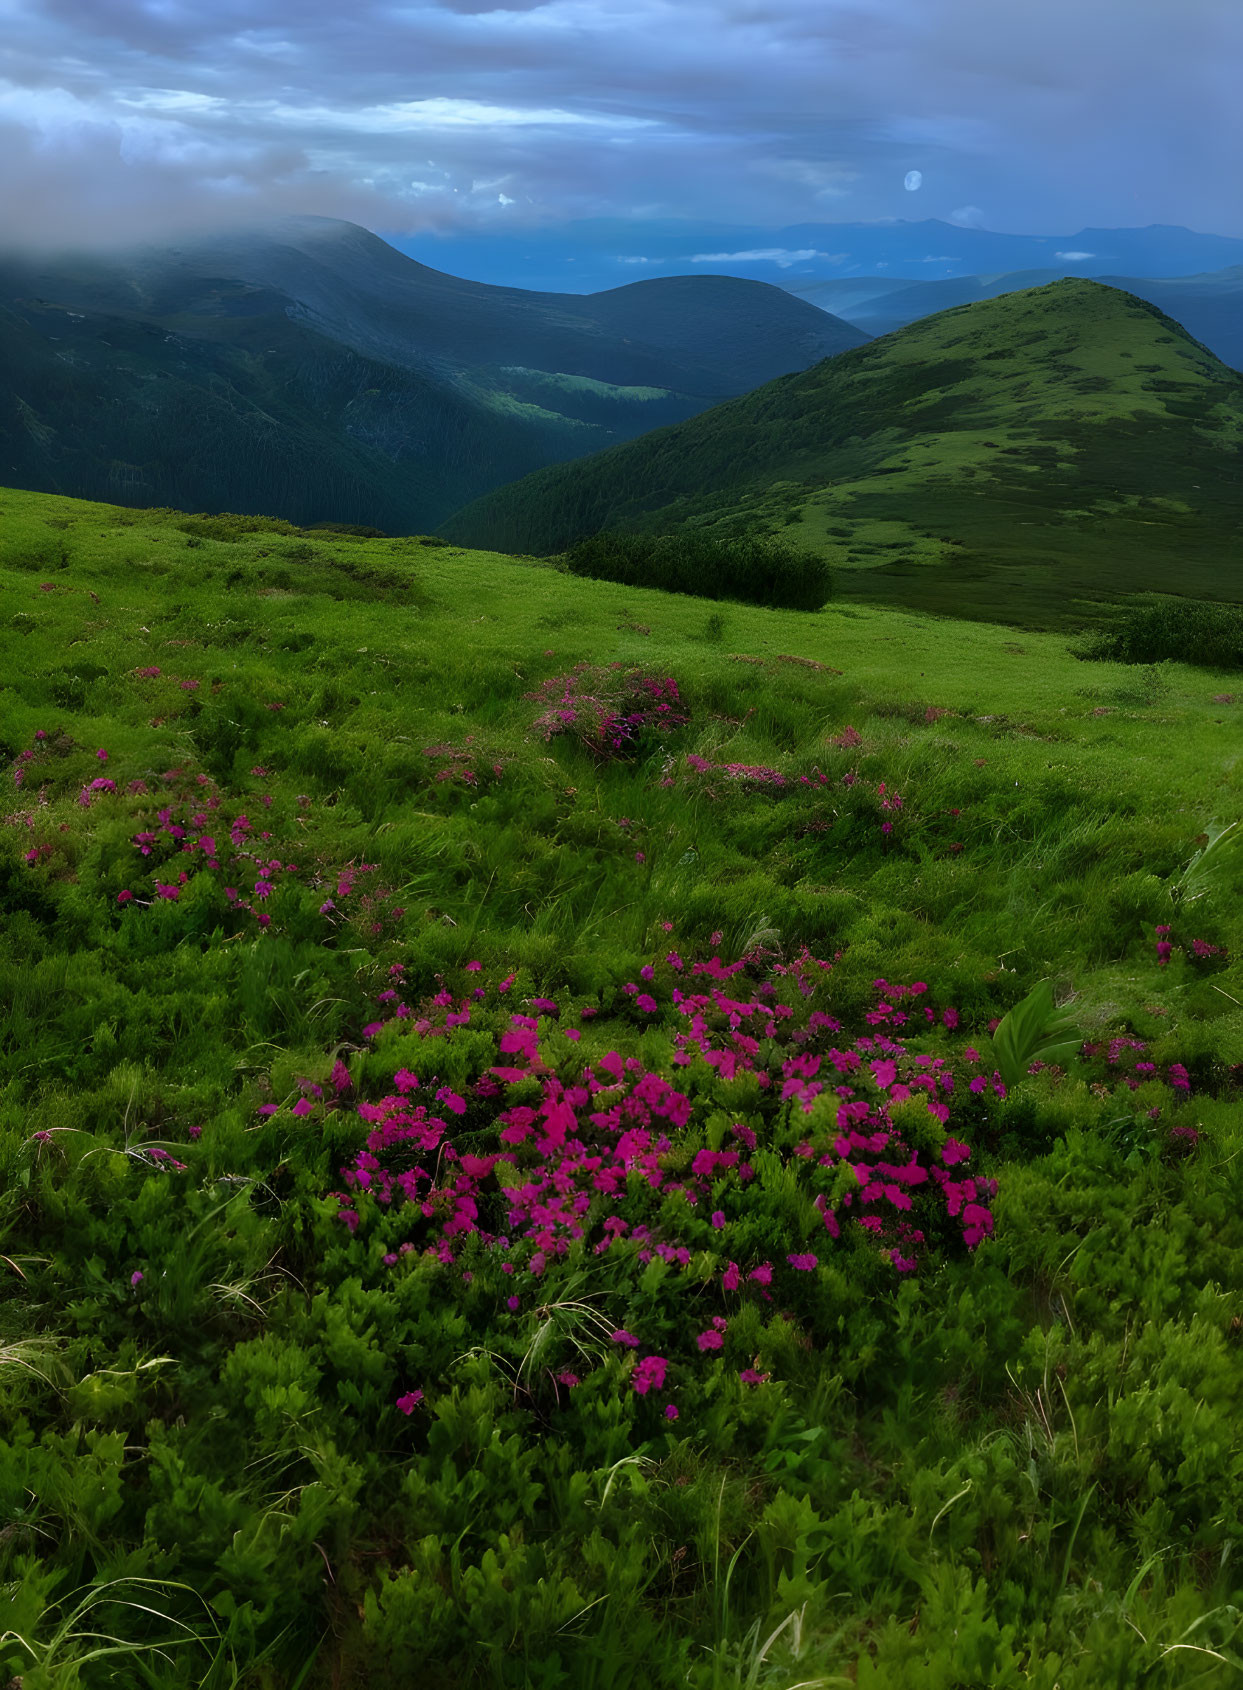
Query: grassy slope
point(1014, 1470)
point(1049, 451)
point(1206, 306)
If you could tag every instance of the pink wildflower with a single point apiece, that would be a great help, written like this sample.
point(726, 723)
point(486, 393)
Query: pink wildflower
point(649, 1375)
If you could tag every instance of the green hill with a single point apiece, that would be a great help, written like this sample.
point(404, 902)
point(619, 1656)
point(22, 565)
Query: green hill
point(1026, 458)
point(311, 372)
point(1209, 307)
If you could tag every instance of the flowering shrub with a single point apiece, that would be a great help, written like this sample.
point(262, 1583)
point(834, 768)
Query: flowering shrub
point(614, 712)
point(190, 831)
point(771, 1149)
point(857, 800)
point(754, 775)
point(1200, 953)
point(1125, 1060)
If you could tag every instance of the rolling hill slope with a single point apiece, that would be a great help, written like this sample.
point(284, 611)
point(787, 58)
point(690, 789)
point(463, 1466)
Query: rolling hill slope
point(1024, 458)
point(1210, 306)
point(310, 371)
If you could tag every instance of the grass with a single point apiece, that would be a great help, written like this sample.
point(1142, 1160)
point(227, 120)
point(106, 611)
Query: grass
point(1014, 1466)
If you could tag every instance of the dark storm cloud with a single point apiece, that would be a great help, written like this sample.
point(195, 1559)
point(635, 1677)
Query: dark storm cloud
point(122, 118)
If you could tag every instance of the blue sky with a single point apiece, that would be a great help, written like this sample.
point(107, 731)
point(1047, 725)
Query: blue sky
point(126, 118)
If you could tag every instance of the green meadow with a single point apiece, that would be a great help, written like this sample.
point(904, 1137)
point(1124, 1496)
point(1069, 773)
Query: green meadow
point(303, 829)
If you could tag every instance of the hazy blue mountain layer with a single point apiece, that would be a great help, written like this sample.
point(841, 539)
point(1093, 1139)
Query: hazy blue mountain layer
point(600, 252)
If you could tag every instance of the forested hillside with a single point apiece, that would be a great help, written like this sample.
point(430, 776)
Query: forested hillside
point(309, 371)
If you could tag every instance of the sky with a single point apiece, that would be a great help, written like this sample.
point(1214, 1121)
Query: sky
point(127, 119)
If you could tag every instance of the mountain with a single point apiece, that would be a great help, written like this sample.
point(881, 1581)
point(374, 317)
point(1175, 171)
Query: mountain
point(308, 370)
point(597, 253)
point(1020, 459)
point(1209, 307)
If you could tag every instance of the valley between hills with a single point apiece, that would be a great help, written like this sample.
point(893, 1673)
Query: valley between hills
point(621, 1018)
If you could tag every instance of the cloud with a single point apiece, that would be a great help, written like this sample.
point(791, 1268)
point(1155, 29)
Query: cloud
point(782, 256)
point(121, 115)
point(825, 179)
point(913, 181)
point(1074, 257)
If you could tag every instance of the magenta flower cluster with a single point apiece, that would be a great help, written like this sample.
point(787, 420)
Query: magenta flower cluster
point(194, 830)
point(615, 712)
point(1126, 1059)
point(1195, 950)
point(609, 1155)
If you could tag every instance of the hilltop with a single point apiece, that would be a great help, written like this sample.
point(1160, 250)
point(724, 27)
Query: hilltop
point(307, 370)
point(1024, 458)
point(1209, 307)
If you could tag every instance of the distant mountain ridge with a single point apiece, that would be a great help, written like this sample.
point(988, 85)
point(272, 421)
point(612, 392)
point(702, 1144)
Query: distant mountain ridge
point(1022, 458)
point(309, 370)
point(597, 253)
point(1208, 306)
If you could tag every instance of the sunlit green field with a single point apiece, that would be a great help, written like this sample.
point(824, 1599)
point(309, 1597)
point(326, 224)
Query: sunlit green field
point(241, 1446)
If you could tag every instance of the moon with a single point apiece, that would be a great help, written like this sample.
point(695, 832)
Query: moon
point(913, 181)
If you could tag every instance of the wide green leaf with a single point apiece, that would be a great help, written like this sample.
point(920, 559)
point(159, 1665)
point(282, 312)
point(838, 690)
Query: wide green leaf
point(1035, 1030)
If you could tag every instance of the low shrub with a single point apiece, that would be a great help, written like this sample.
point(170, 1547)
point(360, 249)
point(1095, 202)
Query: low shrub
point(1179, 630)
point(756, 571)
point(613, 712)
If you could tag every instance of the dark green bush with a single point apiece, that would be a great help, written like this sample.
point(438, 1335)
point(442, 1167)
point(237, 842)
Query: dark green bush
point(757, 571)
point(1182, 630)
